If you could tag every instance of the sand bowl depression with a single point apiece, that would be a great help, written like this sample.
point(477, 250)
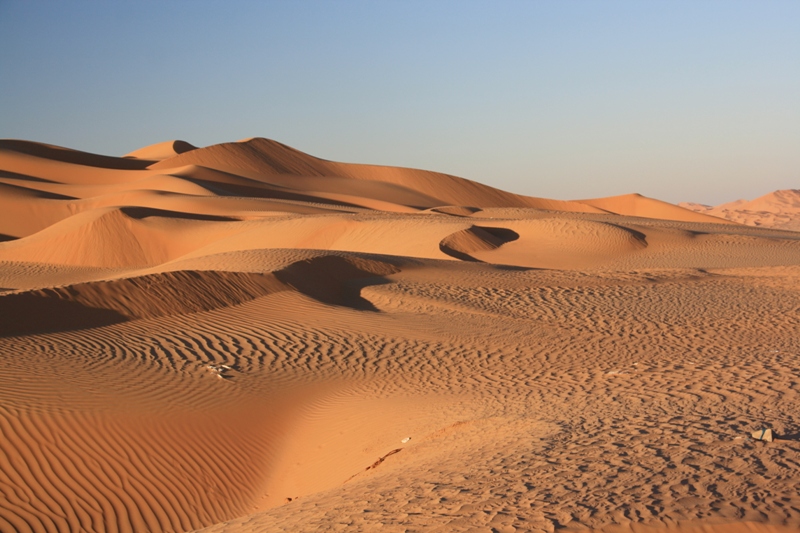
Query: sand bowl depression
point(247, 338)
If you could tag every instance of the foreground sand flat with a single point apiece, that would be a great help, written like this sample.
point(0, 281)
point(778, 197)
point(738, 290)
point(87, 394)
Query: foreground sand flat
point(246, 338)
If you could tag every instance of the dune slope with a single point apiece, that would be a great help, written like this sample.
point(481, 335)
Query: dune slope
point(244, 337)
point(778, 209)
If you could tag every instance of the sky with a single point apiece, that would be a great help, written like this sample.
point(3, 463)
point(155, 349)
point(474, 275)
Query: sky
point(681, 101)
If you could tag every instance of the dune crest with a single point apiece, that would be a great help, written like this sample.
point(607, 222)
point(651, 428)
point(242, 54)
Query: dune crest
point(476, 239)
point(636, 205)
point(778, 209)
point(161, 151)
point(244, 337)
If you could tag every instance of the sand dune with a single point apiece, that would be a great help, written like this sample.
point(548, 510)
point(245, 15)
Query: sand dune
point(778, 209)
point(272, 162)
point(636, 205)
point(160, 151)
point(244, 337)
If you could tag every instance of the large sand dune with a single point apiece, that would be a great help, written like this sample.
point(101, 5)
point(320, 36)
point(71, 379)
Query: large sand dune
point(778, 209)
point(244, 337)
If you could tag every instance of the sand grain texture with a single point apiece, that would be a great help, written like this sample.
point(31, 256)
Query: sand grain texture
point(244, 337)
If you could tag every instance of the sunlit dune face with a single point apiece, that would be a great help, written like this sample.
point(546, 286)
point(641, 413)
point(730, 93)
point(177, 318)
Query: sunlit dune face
point(244, 337)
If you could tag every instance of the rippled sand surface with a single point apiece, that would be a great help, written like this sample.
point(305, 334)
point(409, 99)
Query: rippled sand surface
point(246, 338)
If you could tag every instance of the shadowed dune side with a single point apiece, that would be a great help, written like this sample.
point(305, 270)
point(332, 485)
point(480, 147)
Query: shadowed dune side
point(462, 244)
point(68, 155)
point(231, 175)
point(191, 336)
point(87, 305)
point(143, 212)
point(251, 157)
point(267, 169)
point(540, 345)
point(262, 159)
point(144, 237)
point(86, 193)
point(336, 192)
point(333, 280)
point(159, 151)
point(456, 210)
point(28, 210)
point(336, 280)
point(46, 312)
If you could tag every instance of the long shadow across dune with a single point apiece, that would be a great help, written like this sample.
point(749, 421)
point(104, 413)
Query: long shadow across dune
point(102, 303)
point(36, 312)
point(140, 213)
point(332, 280)
point(255, 191)
point(462, 244)
point(337, 280)
point(75, 157)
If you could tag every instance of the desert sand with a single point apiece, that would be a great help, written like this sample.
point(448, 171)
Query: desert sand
point(244, 337)
point(778, 209)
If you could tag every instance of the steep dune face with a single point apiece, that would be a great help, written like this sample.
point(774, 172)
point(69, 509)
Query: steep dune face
point(462, 244)
point(74, 208)
point(268, 169)
point(160, 151)
point(15, 151)
point(265, 159)
point(244, 337)
point(252, 157)
point(183, 292)
point(287, 411)
point(88, 305)
point(778, 209)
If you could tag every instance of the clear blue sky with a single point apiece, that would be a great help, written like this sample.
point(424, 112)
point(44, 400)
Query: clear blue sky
point(696, 101)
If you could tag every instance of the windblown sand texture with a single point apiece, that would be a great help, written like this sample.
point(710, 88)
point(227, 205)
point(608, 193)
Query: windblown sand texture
point(244, 337)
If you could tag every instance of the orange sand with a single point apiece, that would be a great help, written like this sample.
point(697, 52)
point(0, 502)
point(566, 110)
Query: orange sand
point(247, 338)
point(778, 210)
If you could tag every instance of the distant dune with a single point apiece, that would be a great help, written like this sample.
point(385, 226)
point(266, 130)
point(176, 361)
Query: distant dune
point(778, 209)
point(43, 185)
point(161, 151)
point(244, 337)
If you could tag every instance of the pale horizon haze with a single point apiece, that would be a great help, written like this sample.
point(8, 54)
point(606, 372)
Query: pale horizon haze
point(681, 101)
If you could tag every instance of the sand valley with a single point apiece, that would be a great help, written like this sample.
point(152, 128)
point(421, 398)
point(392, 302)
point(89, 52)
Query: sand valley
point(244, 337)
